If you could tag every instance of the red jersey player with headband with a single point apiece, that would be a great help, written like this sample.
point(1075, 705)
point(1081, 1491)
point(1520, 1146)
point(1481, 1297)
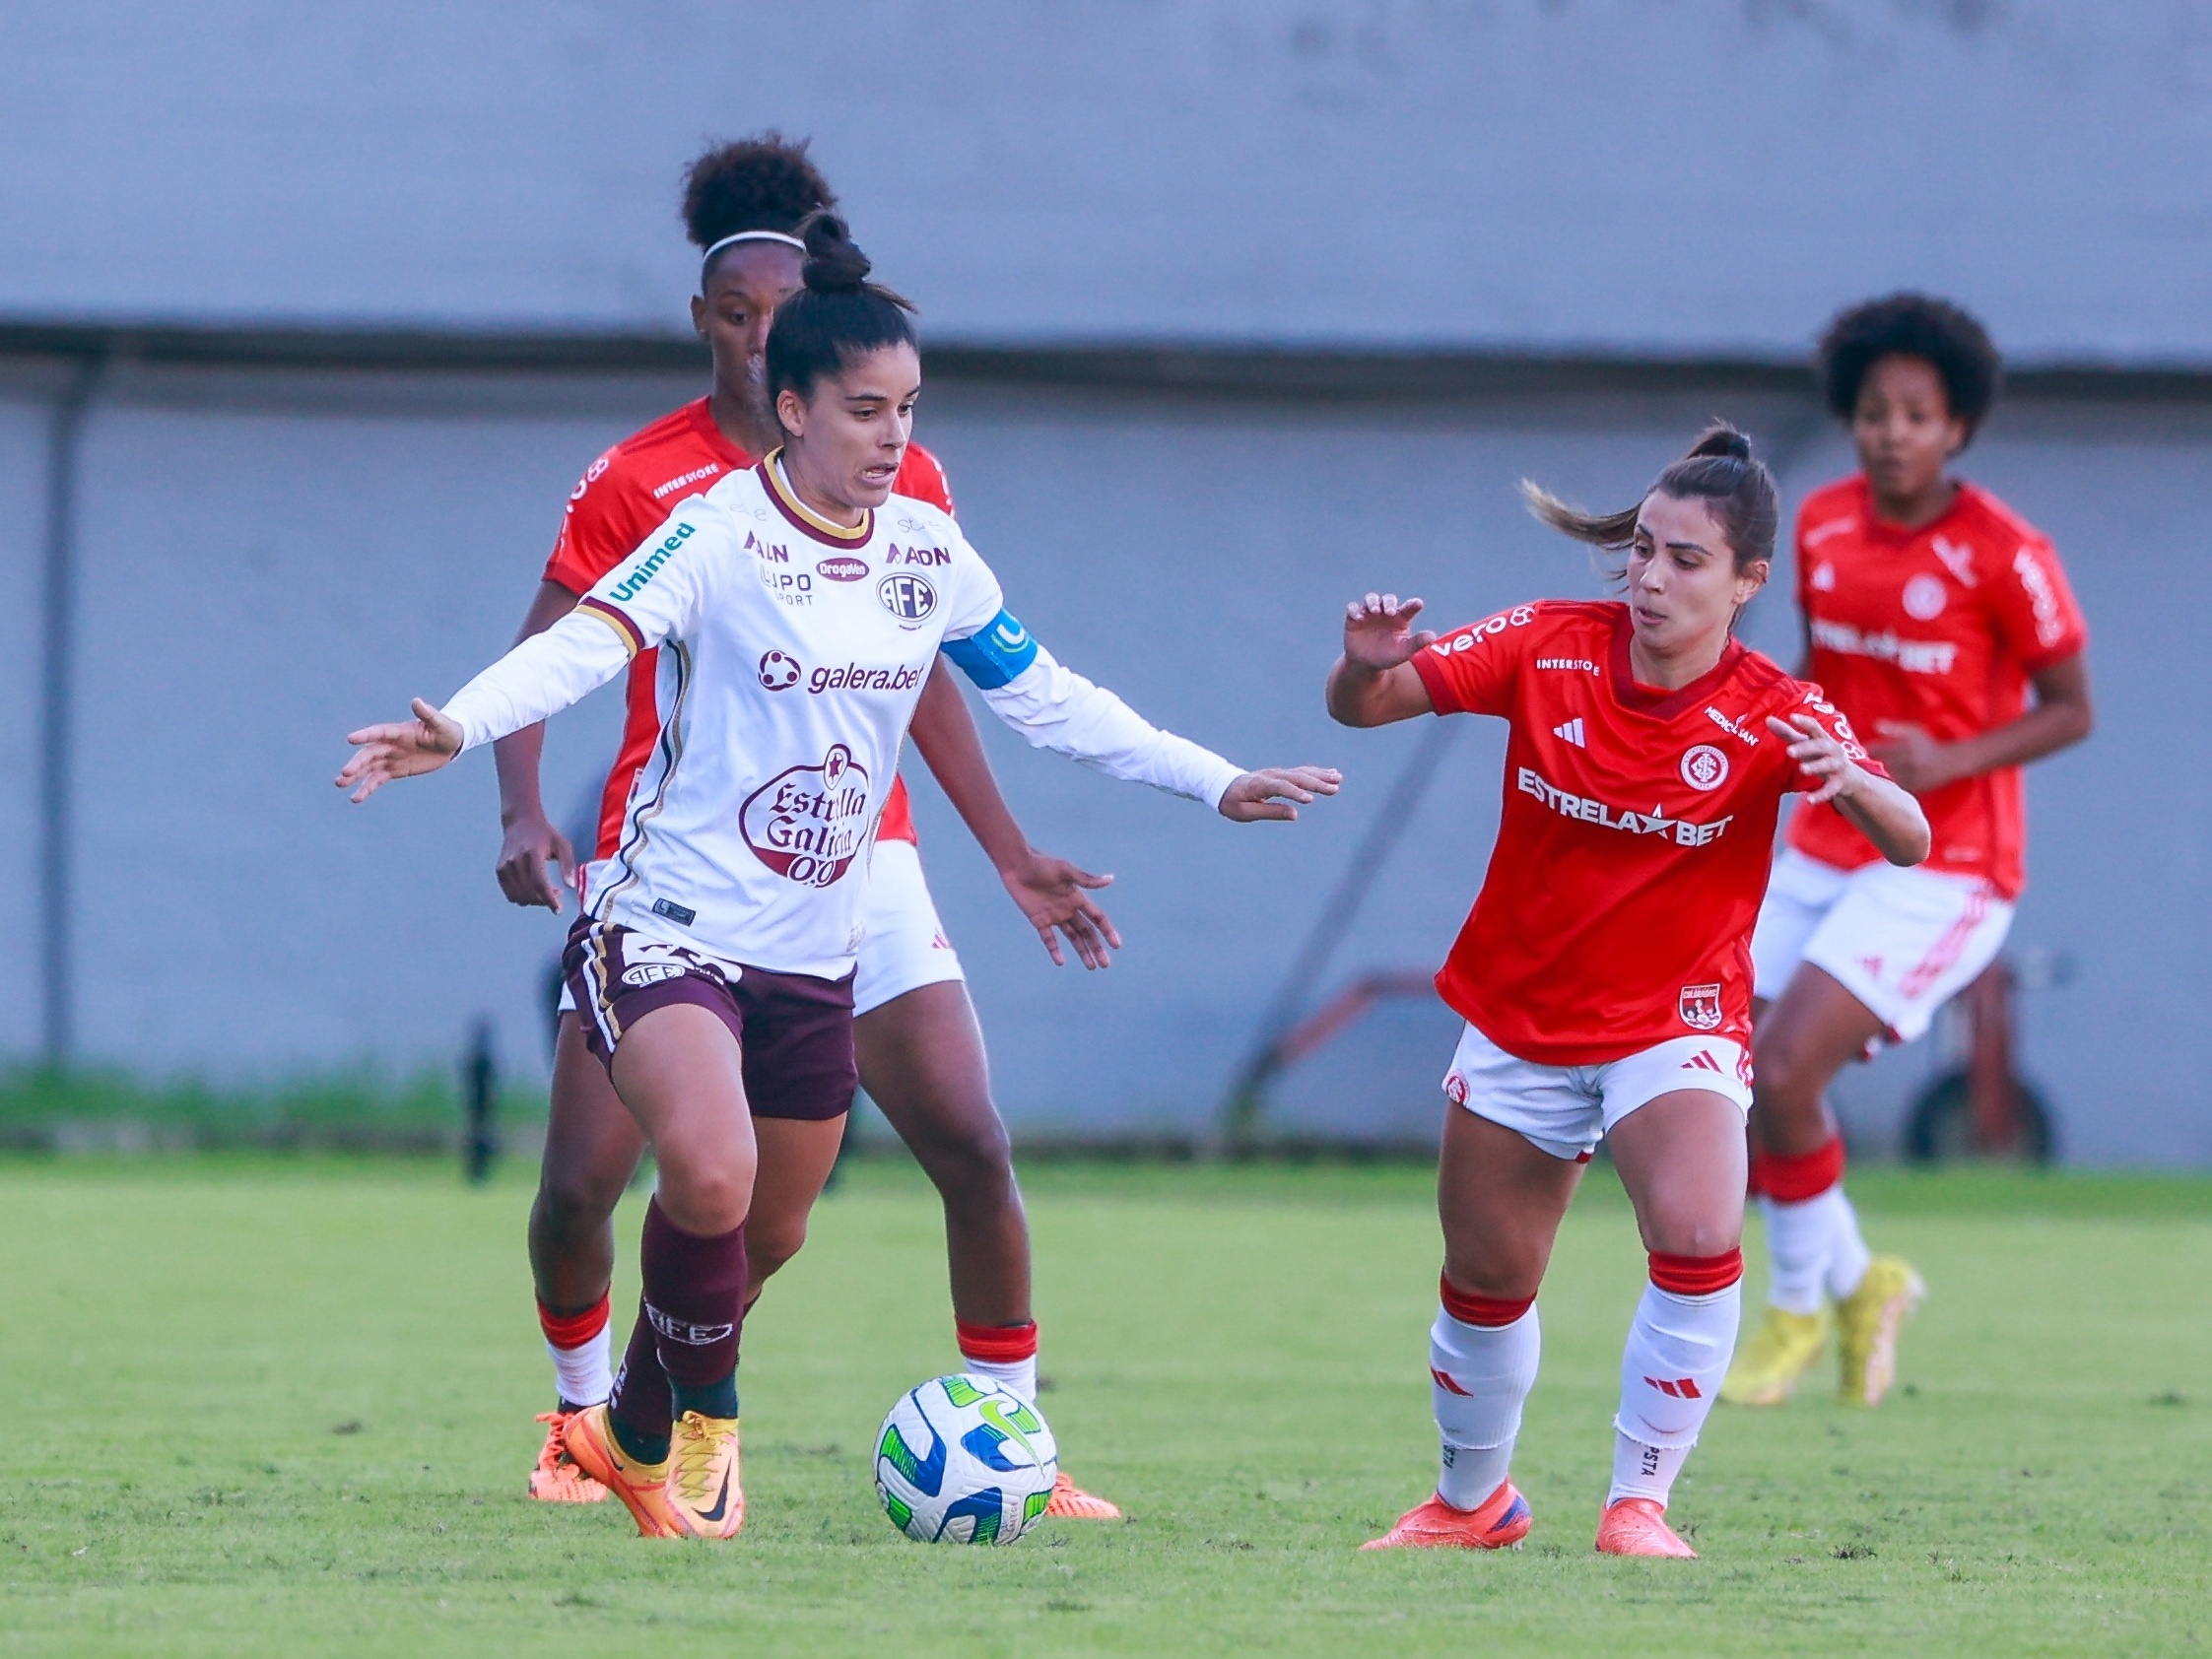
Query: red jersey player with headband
point(921, 1053)
point(1604, 972)
point(1932, 612)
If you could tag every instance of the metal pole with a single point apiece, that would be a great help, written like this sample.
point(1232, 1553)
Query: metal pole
point(480, 1091)
point(56, 678)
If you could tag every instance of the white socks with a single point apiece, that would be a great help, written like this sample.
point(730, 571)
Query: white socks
point(1480, 1376)
point(1677, 1353)
point(1813, 1248)
point(1017, 1375)
point(584, 1375)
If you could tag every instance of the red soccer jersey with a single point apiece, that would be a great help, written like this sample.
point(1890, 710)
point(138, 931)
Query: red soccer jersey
point(1938, 628)
point(625, 494)
point(1635, 838)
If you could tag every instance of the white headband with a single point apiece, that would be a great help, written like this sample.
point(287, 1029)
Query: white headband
point(708, 257)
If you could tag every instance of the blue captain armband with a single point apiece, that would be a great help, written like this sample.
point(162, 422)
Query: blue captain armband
point(994, 654)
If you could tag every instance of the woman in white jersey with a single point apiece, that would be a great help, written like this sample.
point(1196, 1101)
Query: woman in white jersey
point(714, 957)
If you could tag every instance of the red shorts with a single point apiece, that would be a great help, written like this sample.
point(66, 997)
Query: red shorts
point(793, 1031)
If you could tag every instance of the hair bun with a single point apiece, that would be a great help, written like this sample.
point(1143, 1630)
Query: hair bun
point(1721, 440)
point(833, 265)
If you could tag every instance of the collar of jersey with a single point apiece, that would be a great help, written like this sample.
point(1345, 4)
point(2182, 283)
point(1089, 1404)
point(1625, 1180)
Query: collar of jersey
point(814, 524)
point(1882, 532)
point(1650, 700)
point(716, 440)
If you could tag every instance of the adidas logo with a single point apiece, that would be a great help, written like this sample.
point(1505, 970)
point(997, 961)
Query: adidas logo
point(1702, 1061)
point(1572, 731)
point(1679, 1388)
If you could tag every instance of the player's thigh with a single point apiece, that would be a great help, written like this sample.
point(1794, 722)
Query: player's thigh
point(1500, 1198)
point(1807, 1035)
point(796, 1155)
point(592, 1144)
point(923, 1062)
point(679, 1069)
point(1681, 1159)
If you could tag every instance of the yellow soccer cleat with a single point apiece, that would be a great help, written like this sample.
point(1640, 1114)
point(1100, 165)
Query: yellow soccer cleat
point(1638, 1526)
point(1867, 1323)
point(1070, 1502)
point(1500, 1523)
point(1767, 1369)
point(557, 1479)
point(641, 1487)
point(703, 1492)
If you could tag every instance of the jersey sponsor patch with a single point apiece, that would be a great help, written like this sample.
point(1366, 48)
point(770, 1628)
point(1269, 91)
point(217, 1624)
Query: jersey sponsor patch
point(808, 822)
point(780, 671)
point(996, 656)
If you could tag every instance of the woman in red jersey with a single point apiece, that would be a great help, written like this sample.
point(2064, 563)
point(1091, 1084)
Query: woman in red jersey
point(1603, 972)
point(920, 1050)
point(1942, 624)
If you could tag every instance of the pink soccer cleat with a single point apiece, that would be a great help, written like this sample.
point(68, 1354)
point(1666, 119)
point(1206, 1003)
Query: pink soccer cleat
point(1500, 1521)
point(1638, 1526)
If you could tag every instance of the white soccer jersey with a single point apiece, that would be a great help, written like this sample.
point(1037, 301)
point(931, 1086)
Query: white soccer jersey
point(792, 654)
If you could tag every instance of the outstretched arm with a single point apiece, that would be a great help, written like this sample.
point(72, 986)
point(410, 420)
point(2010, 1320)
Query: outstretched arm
point(538, 678)
point(1373, 681)
point(530, 842)
point(1055, 707)
point(1049, 892)
point(1878, 809)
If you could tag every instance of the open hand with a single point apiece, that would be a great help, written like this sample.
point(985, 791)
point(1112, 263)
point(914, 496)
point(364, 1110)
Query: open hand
point(1916, 760)
point(1379, 632)
point(1818, 754)
point(1267, 793)
point(530, 844)
point(1055, 896)
point(401, 750)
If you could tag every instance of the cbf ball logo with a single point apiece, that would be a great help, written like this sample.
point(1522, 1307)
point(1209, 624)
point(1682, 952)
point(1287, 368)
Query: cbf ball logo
point(778, 672)
point(908, 597)
point(1704, 767)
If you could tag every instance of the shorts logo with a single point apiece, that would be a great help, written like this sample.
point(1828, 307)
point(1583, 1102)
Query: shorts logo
point(1455, 1090)
point(1702, 1061)
point(1924, 597)
point(651, 972)
point(1704, 767)
point(908, 597)
point(778, 672)
point(808, 822)
point(1700, 1008)
point(842, 568)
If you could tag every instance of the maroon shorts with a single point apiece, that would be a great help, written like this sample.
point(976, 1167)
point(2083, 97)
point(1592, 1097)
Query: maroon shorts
point(794, 1031)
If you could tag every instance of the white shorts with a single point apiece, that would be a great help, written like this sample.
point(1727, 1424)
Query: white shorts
point(905, 946)
point(1903, 942)
point(1566, 1110)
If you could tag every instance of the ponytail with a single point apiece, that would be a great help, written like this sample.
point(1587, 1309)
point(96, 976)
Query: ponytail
point(1720, 470)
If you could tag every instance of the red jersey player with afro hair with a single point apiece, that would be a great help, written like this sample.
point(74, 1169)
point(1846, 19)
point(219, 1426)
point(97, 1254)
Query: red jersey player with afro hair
point(920, 1051)
point(1931, 612)
point(1604, 972)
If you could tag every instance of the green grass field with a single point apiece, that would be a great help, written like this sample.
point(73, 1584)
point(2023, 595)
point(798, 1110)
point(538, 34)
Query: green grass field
point(260, 1405)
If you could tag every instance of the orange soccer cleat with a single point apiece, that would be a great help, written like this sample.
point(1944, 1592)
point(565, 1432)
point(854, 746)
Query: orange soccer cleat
point(641, 1487)
point(1638, 1526)
point(557, 1479)
point(703, 1492)
point(1500, 1521)
point(1070, 1502)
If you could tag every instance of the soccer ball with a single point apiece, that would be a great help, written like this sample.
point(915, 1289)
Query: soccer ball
point(963, 1460)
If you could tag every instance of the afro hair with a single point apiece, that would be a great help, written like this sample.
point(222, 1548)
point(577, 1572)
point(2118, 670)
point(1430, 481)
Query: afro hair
point(1910, 326)
point(764, 183)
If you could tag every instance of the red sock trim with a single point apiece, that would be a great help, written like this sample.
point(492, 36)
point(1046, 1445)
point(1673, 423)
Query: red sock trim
point(572, 1330)
point(1490, 1311)
point(996, 1345)
point(1798, 1179)
point(1696, 1276)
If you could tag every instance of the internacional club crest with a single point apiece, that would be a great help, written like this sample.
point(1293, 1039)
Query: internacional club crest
point(1704, 767)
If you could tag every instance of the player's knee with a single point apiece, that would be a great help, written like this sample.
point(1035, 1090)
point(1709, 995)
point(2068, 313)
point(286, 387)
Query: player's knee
point(1693, 1232)
point(971, 1158)
point(708, 1200)
point(1786, 1071)
point(1495, 1276)
point(572, 1201)
point(767, 1246)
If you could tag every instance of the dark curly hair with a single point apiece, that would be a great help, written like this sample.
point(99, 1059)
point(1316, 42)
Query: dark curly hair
point(764, 183)
point(1916, 325)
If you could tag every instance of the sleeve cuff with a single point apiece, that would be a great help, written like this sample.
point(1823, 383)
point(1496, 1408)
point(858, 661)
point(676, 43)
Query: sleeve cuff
point(1433, 676)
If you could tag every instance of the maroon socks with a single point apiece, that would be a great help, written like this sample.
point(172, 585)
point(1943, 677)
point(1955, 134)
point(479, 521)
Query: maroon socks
point(683, 1349)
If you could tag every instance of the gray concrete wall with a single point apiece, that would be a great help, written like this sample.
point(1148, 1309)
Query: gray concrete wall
point(1559, 174)
point(271, 558)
